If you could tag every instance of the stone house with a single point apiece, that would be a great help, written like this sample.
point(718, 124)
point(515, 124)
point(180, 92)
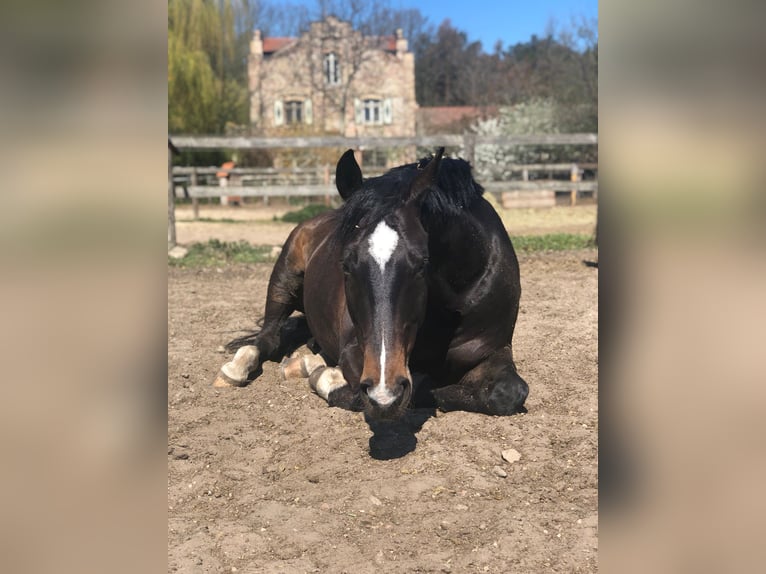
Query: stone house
point(332, 80)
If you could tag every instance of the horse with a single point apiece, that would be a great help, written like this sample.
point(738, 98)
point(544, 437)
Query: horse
point(410, 290)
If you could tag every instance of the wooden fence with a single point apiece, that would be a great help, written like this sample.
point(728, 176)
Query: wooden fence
point(317, 181)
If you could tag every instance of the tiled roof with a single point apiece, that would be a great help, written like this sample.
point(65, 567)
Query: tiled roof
point(440, 119)
point(273, 44)
point(388, 43)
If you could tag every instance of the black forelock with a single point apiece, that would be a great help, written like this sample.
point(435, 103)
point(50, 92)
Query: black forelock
point(379, 196)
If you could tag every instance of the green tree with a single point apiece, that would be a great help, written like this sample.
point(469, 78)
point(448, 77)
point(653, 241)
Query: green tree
point(447, 69)
point(207, 65)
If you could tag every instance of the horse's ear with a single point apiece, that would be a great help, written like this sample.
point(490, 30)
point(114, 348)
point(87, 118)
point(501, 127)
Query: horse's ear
point(348, 175)
point(426, 178)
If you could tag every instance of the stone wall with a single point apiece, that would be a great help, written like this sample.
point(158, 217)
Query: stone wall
point(283, 70)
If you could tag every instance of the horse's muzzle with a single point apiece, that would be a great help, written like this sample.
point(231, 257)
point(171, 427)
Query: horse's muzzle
point(386, 402)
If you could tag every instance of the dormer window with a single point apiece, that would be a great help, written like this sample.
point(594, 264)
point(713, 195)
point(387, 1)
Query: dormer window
point(331, 69)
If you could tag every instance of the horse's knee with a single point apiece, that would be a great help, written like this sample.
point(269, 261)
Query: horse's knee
point(507, 395)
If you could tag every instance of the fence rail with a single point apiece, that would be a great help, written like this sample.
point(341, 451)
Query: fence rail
point(286, 171)
point(201, 191)
point(262, 191)
point(467, 140)
point(318, 181)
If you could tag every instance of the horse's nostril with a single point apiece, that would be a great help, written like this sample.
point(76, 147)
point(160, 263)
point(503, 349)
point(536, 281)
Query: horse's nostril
point(402, 383)
point(366, 385)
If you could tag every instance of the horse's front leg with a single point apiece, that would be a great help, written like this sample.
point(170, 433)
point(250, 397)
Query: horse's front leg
point(247, 359)
point(492, 387)
point(235, 373)
point(283, 297)
point(339, 386)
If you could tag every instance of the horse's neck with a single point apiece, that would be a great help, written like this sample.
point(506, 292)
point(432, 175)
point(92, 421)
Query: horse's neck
point(459, 250)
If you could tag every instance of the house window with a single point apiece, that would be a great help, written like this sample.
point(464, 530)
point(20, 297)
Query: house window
point(372, 112)
point(331, 69)
point(293, 112)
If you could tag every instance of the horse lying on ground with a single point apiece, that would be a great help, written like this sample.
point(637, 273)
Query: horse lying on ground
point(413, 275)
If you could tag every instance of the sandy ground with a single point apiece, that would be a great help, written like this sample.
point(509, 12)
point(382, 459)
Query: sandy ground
point(255, 223)
point(268, 478)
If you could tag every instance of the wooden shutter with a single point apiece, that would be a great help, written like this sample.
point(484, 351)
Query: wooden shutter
point(279, 115)
point(388, 111)
point(308, 113)
point(359, 111)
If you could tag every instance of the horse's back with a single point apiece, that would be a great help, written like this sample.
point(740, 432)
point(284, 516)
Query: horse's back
point(304, 241)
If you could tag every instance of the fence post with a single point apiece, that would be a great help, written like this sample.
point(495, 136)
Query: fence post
point(469, 144)
point(574, 176)
point(195, 200)
point(326, 181)
point(171, 203)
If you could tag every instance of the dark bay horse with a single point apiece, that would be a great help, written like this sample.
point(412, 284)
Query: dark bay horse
point(410, 290)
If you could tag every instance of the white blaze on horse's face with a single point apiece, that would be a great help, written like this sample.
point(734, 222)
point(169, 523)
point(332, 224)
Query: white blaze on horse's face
point(382, 244)
point(380, 393)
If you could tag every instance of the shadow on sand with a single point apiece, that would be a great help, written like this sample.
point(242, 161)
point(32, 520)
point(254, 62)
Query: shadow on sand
point(396, 438)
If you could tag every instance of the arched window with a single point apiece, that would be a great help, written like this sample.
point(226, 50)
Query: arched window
point(331, 69)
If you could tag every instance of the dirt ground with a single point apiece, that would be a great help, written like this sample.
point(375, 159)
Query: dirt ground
point(268, 478)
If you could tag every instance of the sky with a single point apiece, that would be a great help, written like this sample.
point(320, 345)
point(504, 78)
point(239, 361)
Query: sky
point(487, 21)
point(510, 21)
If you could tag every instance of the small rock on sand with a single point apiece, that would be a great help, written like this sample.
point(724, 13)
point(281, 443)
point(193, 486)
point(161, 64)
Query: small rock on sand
point(499, 472)
point(178, 252)
point(511, 455)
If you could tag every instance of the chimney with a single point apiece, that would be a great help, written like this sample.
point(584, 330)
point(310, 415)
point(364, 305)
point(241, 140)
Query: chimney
point(256, 44)
point(401, 43)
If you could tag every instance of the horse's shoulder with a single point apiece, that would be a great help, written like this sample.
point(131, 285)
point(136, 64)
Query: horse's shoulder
point(308, 236)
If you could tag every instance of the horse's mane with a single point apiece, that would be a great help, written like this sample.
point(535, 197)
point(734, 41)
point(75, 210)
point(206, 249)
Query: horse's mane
point(455, 190)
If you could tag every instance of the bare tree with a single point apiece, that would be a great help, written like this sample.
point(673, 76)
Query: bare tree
point(371, 22)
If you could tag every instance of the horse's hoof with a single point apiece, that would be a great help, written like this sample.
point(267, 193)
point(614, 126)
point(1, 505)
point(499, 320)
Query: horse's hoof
point(235, 372)
point(324, 381)
point(300, 367)
point(222, 380)
point(291, 368)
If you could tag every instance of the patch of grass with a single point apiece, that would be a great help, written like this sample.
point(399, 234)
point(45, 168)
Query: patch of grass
point(216, 252)
point(306, 212)
point(218, 220)
point(552, 242)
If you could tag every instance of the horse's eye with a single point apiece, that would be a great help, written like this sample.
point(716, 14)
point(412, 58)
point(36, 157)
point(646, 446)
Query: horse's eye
point(346, 269)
